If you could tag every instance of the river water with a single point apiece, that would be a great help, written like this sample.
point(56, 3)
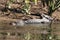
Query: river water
point(32, 28)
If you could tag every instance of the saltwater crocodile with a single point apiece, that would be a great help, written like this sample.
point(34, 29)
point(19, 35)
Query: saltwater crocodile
point(45, 20)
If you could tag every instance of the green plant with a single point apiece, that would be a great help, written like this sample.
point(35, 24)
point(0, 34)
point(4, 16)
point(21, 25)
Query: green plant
point(9, 3)
point(27, 6)
point(52, 5)
point(36, 2)
point(28, 36)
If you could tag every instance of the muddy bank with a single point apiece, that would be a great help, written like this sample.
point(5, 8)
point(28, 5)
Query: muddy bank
point(16, 11)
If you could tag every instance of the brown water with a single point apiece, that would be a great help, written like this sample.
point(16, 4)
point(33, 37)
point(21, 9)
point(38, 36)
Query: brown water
point(9, 32)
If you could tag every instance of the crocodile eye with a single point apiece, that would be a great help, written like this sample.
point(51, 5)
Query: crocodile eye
point(42, 22)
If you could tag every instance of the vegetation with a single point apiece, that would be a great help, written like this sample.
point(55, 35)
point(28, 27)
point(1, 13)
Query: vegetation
point(9, 3)
point(28, 36)
point(52, 5)
point(36, 2)
point(27, 6)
